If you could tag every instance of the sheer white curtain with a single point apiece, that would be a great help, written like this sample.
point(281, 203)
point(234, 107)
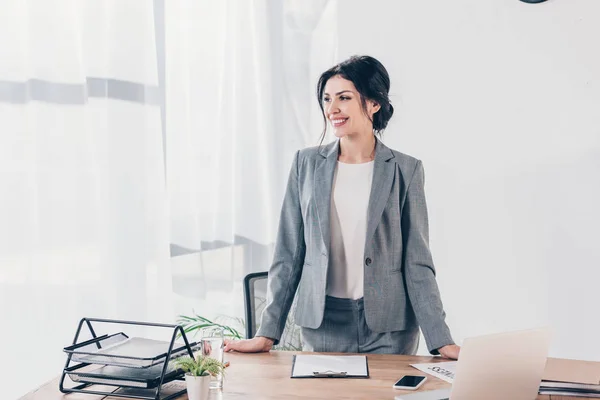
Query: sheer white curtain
point(144, 151)
point(240, 96)
point(83, 216)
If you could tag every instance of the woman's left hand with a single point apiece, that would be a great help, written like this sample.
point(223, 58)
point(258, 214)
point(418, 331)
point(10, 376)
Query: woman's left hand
point(450, 351)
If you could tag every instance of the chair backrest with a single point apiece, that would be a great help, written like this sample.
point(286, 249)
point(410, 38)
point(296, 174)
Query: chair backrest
point(255, 300)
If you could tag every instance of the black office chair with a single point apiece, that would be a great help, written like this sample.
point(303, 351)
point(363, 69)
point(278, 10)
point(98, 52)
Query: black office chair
point(255, 300)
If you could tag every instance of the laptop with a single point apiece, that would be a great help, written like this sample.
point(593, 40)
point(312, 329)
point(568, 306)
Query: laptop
point(496, 367)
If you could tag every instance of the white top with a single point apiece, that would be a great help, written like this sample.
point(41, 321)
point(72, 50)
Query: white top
point(348, 220)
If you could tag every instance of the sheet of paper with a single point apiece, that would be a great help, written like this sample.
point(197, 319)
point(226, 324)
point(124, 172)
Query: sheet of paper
point(166, 390)
point(427, 395)
point(305, 365)
point(442, 370)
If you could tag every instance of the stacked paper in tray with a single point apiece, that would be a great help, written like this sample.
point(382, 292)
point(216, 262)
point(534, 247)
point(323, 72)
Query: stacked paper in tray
point(563, 377)
point(123, 361)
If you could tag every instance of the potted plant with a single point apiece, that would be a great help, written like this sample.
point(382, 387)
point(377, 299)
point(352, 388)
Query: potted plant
point(197, 322)
point(198, 372)
point(291, 339)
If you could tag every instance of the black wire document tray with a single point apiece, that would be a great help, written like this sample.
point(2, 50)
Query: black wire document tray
point(135, 368)
point(120, 350)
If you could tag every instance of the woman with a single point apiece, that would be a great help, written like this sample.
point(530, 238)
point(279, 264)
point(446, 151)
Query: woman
point(353, 234)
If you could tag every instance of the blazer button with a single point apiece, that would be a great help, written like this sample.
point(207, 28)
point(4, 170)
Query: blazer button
point(368, 261)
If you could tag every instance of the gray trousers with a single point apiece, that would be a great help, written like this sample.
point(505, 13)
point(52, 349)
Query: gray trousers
point(344, 330)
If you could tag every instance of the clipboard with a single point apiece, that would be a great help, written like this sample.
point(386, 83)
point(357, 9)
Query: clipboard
point(326, 366)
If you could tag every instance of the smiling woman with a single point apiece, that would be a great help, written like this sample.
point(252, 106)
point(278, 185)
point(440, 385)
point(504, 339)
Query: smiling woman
point(353, 234)
point(358, 86)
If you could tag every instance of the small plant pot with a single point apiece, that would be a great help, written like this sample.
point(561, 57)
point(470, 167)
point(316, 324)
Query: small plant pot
point(197, 386)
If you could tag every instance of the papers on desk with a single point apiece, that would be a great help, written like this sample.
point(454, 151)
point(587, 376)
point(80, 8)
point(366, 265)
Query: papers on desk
point(440, 394)
point(321, 366)
point(443, 370)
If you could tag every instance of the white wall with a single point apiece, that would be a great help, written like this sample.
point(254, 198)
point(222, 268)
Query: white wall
point(501, 101)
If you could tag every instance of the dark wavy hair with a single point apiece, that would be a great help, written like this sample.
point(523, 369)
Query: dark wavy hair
point(371, 80)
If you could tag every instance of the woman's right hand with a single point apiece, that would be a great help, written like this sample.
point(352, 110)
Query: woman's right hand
point(257, 344)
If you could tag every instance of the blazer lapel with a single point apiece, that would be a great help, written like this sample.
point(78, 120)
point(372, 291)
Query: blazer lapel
point(383, 178)
point(323, 183)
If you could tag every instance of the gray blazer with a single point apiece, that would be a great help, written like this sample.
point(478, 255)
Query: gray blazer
point(400, 290)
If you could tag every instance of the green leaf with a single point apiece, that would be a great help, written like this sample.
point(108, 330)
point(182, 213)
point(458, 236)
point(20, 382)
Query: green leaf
point(201, 365)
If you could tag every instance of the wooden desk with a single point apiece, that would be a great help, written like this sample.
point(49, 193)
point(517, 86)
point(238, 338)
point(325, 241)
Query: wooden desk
point(267, 376)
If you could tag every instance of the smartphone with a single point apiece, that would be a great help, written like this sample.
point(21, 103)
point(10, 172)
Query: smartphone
point(410, 382)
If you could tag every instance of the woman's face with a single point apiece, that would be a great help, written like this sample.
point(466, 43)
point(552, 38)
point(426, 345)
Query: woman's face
point(343, 110)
